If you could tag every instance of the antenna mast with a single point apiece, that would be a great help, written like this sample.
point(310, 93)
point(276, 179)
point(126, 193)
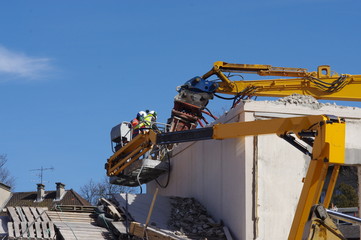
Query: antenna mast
point(41, 172)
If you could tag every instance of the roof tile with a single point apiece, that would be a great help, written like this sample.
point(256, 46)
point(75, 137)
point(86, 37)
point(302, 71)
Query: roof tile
point(29, 199)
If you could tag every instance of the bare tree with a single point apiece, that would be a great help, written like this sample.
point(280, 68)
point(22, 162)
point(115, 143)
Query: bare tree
point(5, 176)
point(92, 191)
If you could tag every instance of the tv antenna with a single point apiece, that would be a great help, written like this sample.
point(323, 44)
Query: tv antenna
point(41, 172)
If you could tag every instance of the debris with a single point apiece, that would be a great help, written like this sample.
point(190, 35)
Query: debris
point(191, 218)
point(299, 99)
point(228, 234)
point(172, 218)
point(304, 100)
point(111, 217)
point(110, 209)
point(150, 211)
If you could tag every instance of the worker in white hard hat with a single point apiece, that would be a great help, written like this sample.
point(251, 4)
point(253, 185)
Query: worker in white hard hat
point(141, 115)
point(150, 119)
point(144, 120)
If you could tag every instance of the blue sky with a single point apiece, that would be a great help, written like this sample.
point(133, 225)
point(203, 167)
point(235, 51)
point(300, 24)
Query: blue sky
point(71, 70)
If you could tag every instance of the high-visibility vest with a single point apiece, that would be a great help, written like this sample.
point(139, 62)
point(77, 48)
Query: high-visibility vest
point(149, 119)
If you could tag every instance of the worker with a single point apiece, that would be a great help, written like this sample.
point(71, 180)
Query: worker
point(150, 120)
point(141, 115)
point(138, 123)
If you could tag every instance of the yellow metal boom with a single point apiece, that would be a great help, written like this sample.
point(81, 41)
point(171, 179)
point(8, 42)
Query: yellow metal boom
point(321, 84)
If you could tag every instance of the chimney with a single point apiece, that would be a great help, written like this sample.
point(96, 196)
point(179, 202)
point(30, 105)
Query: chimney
point(41, 192)
point(60, 191)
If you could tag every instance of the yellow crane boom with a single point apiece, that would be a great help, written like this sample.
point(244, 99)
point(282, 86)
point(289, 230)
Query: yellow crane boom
point(321, 84)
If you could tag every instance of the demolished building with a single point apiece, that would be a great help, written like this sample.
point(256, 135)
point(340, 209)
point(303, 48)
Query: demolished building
point(252, 184)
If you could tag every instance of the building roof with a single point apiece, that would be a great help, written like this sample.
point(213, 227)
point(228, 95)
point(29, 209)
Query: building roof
point(29, 199)
point(4, 186)
point(77, 225)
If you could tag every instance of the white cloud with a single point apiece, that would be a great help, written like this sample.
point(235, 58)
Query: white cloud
point(19, 65)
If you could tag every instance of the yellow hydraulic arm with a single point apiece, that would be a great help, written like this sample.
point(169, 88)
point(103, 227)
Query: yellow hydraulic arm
point(321, 84)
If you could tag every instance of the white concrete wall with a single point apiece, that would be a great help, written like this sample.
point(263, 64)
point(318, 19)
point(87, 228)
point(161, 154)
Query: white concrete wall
point(281, 168)
point(252, 184)
point(353, 142)
point(205, 170)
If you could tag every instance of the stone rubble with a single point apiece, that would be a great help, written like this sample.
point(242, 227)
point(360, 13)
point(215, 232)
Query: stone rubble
point(303, 100)
point(190, 218)
point(298, 99)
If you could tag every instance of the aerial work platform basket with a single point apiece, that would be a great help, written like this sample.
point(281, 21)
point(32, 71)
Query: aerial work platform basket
point(145, 168)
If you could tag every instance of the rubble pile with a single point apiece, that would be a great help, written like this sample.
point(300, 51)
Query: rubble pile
point(299, 99)
point(190, 218)
point(303, 100)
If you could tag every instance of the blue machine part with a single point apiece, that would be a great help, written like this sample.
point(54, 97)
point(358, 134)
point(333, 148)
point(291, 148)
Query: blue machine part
point(199, 84)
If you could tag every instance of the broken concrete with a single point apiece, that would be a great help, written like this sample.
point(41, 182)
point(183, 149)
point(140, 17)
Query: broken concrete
point(190, 218)
point(303, 100)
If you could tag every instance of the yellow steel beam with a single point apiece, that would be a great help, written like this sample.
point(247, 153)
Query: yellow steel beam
point(259, 127)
